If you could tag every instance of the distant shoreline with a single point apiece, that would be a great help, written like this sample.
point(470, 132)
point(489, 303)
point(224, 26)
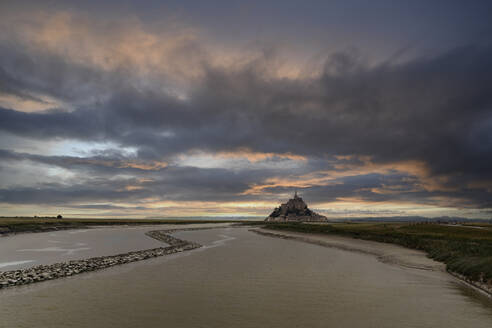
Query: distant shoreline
point(12, 226)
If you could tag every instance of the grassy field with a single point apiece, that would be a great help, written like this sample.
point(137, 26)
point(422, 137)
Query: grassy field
point(465, 249)
point(16, 225)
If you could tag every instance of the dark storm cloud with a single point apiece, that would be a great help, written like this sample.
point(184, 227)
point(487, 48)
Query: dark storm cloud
point(177, 184)
point(24, 72)
point(378, 26)
point(358, 187)
point(435, 110)
point(101, 165)
point(99, 182)
point(100, 178)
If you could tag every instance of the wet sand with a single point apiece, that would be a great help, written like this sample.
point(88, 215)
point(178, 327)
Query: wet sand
point(384, 252)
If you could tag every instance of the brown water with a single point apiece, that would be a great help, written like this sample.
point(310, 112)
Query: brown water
point(31, 249)
point(240, 279)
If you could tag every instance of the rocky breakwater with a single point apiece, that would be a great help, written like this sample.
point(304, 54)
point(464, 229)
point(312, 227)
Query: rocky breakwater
point(66, 269)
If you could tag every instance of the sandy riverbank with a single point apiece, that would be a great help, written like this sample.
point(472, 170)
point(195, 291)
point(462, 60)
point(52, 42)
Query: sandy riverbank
point(386, 253)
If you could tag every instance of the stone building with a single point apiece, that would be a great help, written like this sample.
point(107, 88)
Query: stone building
point(294, 210)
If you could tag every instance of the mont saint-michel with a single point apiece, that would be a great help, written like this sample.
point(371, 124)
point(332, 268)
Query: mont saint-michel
point(294, 210)
point(245, 164)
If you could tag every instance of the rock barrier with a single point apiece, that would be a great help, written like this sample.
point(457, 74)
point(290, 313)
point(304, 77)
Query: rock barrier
point(66, 269)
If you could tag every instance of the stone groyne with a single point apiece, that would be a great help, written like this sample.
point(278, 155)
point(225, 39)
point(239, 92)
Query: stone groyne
point(66, 269)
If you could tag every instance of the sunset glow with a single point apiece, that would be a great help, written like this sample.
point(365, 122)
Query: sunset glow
point(164, 114)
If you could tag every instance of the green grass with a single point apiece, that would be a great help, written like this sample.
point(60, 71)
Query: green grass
point(16, 225)
point(464, 249)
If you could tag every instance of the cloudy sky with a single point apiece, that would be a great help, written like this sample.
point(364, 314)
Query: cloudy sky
point(223, 108)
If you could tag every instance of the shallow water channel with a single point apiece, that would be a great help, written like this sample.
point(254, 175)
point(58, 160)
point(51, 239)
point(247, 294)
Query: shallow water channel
point(30, 249)
point(241, 279)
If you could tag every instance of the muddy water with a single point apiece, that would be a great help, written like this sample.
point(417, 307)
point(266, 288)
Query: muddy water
point(25, 250)
point(241, 279)
point(31, 249)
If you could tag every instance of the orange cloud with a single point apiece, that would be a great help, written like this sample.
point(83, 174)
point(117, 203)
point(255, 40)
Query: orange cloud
point(38, 103)
point(132, 188)
point(174, 50)
point(254, 157)
point(365, 165)
point(147, 166)
point(126, 42)
point(303, 181)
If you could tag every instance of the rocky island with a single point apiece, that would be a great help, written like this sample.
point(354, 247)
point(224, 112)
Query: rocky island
point(295, 210)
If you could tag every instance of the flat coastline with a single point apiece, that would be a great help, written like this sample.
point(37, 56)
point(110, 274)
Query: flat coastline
point(11, 226)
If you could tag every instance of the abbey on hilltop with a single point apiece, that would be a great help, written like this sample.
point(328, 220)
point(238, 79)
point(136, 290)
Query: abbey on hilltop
point(294, 210)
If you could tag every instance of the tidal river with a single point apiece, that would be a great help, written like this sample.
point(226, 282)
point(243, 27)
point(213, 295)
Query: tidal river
point(242, 279)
